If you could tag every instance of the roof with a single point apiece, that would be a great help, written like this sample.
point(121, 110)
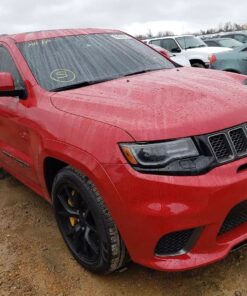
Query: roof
point(46, 34)
point(216, 39)
point(235, 32)
point(167, 37)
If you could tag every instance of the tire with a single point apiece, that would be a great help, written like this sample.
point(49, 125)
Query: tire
point(3, 174)
point(198, 65)
point(232, 71)
point(85, 223)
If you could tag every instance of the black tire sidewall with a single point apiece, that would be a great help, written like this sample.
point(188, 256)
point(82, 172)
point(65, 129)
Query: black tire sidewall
point(68, 176)
point(198, 65)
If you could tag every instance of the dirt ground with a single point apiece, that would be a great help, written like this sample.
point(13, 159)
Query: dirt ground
point(35, 262)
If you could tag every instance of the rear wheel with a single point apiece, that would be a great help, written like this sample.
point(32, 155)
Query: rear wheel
point(85, 223)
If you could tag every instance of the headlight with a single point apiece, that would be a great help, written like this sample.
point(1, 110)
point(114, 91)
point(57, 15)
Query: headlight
point(159, 154)
point(172, 157)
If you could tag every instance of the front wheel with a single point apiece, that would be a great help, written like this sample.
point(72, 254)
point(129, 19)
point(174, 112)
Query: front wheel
point(85, 223)
point(198, 65)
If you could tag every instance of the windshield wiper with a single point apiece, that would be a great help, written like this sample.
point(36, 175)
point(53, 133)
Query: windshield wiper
point(77, 85)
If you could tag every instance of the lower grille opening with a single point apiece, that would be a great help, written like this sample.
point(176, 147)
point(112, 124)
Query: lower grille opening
point(174, 243)
point(236, 217)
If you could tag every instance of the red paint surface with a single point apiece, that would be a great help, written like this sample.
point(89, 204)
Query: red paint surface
point(6, 82)
point(83, 127)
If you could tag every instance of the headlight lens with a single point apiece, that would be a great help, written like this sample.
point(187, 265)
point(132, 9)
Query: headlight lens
point(159, 154)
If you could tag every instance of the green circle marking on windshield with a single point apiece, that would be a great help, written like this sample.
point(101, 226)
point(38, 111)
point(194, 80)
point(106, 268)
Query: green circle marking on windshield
point(62, 75)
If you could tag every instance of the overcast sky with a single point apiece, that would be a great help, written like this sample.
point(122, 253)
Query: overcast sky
point(133, 16)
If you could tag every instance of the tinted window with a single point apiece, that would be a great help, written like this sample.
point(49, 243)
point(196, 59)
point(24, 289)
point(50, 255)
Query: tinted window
point(67, 61)
point(241, 38)
point(169, 44)
point(7, 65)
point(230, 43)
point(211, 43)
point(156, 42)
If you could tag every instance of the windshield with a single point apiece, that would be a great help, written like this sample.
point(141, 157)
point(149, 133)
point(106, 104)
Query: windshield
point(187, 42)
point(232, 43)
point(62, 62)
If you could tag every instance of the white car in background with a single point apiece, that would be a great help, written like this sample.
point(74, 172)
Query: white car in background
point(180, 60)
point(189, 47)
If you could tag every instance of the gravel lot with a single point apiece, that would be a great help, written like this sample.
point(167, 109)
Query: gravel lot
point(35, 261)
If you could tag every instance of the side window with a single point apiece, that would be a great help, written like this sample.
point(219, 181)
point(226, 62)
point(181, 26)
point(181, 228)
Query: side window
point(211, 43)
point(241, 38)
point(7, 65)
point(170, 45)
point(155, 42)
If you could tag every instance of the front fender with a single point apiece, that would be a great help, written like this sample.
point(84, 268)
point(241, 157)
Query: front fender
point(89, 166)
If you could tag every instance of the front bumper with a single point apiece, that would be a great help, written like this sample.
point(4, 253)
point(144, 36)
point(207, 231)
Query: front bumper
point(153, 206)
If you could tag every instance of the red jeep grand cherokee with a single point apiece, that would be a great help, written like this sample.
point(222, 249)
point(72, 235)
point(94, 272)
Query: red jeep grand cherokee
point(138, 158)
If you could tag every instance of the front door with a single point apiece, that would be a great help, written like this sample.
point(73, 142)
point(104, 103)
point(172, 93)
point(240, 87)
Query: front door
point(15, 147)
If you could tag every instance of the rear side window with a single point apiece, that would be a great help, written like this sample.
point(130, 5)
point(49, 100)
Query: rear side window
point(156, 42)
point(211, 43)
point(7, 65)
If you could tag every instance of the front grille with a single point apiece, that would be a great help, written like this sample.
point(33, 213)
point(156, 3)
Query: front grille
point(221, 147)
point(236, 217)
point(230, 144)
point(174, 242)
point(239, 140)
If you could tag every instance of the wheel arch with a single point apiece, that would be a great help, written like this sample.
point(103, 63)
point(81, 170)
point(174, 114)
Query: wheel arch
point(59, 155)
point(197, 60)
point(232, 71)
point(66, 155)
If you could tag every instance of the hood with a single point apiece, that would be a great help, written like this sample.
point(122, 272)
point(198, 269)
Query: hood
point(210, 50)
point(162, 104)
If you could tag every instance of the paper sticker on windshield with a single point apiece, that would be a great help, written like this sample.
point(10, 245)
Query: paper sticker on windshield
point(35, 43)
point(62, 75)
point(121, 36)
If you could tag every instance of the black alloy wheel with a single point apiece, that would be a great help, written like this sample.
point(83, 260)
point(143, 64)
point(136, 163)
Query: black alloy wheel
point(85, 223)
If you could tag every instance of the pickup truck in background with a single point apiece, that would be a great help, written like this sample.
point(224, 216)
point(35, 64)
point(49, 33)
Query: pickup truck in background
point(180, 60)
point(188, 46)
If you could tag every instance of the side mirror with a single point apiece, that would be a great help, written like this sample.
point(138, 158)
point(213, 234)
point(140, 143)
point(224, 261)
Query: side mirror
point(175, 50)
point(6, 82)
point(7, 87)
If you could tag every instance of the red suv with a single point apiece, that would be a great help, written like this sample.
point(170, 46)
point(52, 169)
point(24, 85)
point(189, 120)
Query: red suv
point(139, 159)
